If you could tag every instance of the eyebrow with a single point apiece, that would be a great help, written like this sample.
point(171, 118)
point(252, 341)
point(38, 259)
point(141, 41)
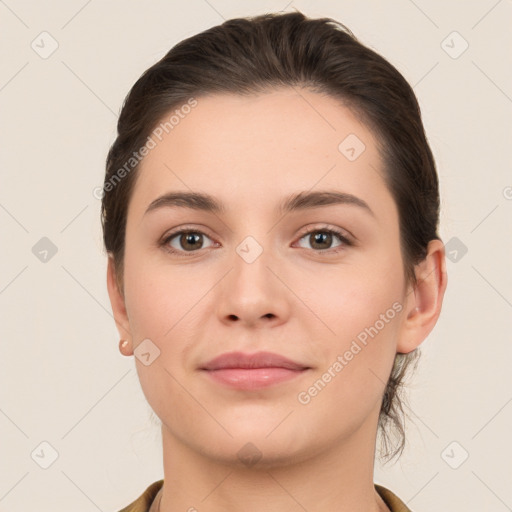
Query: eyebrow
point(295, 202)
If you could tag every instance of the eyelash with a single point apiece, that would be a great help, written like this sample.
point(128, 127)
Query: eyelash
point(330, 229)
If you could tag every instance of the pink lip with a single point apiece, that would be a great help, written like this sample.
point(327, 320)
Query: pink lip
point(252, 371)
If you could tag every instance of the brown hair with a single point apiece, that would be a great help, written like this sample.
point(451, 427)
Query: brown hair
point(253, 55)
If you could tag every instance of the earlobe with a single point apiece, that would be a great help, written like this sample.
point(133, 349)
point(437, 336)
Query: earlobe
point(117, 303)
point(424, 301)
point(125, 348)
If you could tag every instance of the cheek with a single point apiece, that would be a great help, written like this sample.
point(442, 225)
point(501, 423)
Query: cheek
point(351, 298)
point(362, 306)
point(356, 361)
point(161, 303)
point(160, 297)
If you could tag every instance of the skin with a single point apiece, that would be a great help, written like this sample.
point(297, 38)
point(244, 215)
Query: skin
point(250, 153)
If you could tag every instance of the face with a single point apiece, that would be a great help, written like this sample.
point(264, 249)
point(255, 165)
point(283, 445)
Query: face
point(320, 282)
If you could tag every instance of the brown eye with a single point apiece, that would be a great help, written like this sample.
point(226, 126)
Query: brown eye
point(190, 241)
point(185, 240)
point(321, 240)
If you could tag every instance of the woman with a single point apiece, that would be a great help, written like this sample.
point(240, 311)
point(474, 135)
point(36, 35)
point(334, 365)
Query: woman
point(270, 213)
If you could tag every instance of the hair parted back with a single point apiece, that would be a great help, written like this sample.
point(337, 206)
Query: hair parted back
point(257, 54)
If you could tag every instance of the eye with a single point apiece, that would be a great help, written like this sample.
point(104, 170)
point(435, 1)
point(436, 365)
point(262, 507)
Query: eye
point(321, 239)
point(187, 240)
point(184, 240)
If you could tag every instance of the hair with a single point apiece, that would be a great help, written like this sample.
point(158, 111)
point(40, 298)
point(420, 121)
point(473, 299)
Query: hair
point(259, 54)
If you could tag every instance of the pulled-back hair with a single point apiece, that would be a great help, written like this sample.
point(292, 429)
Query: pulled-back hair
point(258, 54)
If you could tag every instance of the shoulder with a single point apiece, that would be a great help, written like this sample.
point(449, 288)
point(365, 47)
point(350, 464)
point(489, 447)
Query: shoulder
point(394, 503)
point(143, 502)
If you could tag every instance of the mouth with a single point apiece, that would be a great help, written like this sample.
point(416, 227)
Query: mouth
point(252, 371)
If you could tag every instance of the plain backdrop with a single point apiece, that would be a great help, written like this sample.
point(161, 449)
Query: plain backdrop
point(71, 402)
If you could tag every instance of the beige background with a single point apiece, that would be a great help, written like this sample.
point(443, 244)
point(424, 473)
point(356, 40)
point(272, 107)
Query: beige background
point(62, 379)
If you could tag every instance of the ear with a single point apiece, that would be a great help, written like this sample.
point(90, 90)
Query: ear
point(118, 306)
point(424, 299)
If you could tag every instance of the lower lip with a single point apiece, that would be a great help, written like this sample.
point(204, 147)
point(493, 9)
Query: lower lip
point(255, 378)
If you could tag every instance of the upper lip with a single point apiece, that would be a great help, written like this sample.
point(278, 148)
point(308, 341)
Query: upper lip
point(251, 361)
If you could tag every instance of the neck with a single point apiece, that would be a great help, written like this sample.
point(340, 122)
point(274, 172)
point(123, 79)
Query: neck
point(337, 479)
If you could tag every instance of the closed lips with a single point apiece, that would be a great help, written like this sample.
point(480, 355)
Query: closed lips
point(239, 360)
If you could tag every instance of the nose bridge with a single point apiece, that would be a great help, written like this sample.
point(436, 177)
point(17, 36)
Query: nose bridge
point(251, 267)
point(251, 291)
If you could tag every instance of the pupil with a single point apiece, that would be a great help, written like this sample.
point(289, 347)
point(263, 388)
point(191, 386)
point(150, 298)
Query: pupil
point(190, 238)
point(322, 237)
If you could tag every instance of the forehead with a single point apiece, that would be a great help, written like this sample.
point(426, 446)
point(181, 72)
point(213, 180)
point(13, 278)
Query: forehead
point(241, 148)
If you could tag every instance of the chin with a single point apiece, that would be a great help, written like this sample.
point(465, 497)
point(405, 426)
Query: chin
point(257, 446)
point(256, 454)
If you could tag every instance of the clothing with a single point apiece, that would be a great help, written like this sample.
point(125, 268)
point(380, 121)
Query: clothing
point(143, 502)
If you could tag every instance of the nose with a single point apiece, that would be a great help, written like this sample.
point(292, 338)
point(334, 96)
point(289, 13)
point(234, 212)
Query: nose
point(253, 293)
